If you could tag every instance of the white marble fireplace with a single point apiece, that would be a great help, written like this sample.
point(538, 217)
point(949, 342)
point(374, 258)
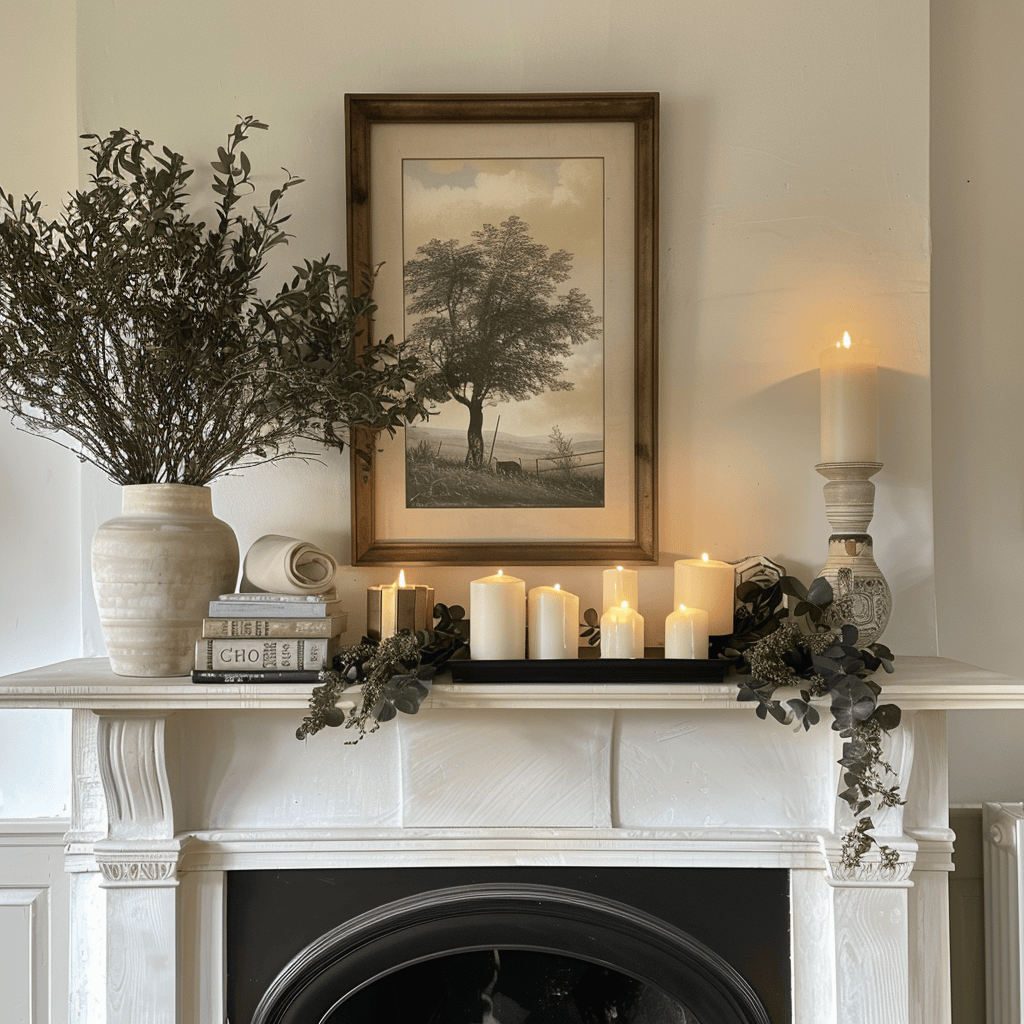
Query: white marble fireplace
point(175, 785)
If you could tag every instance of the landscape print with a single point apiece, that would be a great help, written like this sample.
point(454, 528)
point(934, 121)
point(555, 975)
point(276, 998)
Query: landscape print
point(504, 290)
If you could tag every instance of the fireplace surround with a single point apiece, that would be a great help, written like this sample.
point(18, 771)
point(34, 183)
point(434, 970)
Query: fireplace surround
point(176, 786)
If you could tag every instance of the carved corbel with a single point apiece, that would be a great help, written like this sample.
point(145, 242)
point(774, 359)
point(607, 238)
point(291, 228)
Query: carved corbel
point(140, 850)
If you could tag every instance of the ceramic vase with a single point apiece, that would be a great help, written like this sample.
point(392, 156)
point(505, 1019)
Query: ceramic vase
point(155, 569)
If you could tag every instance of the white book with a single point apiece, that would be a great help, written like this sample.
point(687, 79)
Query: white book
point(259, 596)
point(274, 609)
point(278, 654)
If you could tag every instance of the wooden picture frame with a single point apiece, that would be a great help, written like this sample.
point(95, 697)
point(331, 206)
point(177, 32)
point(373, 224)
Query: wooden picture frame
point(598, 151)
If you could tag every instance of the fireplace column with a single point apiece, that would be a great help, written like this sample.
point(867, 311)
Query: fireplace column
point(138, 860)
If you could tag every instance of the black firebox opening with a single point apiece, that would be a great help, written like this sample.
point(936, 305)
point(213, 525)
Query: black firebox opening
point(740, 915)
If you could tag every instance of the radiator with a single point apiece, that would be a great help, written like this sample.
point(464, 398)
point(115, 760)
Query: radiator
point(1003, 832)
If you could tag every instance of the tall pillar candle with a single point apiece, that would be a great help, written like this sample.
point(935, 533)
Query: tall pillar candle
point(849, 403)
point(619, 585)
point(709, 584)
point(554, 618)
point(622, 633)
point(497, 617)
point(686, 633)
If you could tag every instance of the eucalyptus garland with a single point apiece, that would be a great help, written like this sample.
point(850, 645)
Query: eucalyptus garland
point(771, 650)
point(776, 644)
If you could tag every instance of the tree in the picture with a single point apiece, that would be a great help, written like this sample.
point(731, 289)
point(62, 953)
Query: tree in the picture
point(494, 327)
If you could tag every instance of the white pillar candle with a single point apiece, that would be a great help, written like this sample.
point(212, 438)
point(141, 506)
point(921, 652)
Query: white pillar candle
point(708, 584)
point(619, 585)
point(686, 633)
point(497, 618)
point(554, 617)
point(622, 633)
point(849, 403)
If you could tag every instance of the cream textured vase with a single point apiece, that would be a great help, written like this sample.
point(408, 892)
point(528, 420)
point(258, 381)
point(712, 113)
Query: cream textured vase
point(155, 569)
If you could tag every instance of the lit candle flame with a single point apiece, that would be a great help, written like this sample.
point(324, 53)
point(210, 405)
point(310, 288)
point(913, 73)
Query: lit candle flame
point(619, 567)
point(500, 573)
point(401, 578)
point(682, 607)
point(704, 557)
point(625, 604)
point(846, 340)
point(558, 586)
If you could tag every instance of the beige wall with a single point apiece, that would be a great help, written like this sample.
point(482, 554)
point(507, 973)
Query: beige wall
point(794, 203)
point(978, 370)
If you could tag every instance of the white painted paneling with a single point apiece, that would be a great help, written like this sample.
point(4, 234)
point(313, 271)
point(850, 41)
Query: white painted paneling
point(34, 923)
point(24, 956)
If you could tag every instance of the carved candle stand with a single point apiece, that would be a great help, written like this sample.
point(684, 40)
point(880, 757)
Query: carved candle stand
point(862, 595)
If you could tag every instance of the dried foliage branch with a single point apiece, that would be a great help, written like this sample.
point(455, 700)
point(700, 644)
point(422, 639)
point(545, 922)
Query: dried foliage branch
point(138, 334)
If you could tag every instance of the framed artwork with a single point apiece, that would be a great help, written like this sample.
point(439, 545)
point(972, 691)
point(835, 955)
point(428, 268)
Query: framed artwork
point(515, 239)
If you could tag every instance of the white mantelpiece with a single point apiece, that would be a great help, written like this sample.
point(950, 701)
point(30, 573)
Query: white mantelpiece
point(176, 784)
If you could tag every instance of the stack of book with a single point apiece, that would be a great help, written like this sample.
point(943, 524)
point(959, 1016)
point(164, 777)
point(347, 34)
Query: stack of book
point(265, 638)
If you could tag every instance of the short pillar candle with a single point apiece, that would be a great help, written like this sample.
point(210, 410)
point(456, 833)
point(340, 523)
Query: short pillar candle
point(686, 633)
point(709, 584)
point(619, 585)
point(497, 614)
point(554, 618)
point(622, 633)
point(393, 608)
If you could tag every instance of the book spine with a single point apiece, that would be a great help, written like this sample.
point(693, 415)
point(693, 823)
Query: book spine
point(256, 627)
point(298, 676)
point(259, 597)
point(288, 654)
point(269, 610)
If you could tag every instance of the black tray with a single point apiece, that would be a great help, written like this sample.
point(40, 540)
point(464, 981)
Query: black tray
point(653, 667)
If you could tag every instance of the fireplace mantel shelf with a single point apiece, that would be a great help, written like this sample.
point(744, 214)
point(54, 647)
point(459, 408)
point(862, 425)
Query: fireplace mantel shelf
point(919, 683)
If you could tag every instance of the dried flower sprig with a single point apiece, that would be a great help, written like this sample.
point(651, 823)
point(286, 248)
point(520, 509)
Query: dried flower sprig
point(391, 675)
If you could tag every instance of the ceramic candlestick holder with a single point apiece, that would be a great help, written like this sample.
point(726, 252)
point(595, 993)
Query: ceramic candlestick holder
point(861, 594)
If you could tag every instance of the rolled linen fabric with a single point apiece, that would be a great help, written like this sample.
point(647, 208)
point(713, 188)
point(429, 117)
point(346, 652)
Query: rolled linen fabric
point(284, 565)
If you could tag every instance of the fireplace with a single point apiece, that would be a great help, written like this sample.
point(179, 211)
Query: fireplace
point(181, 791)
point(643, 944)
